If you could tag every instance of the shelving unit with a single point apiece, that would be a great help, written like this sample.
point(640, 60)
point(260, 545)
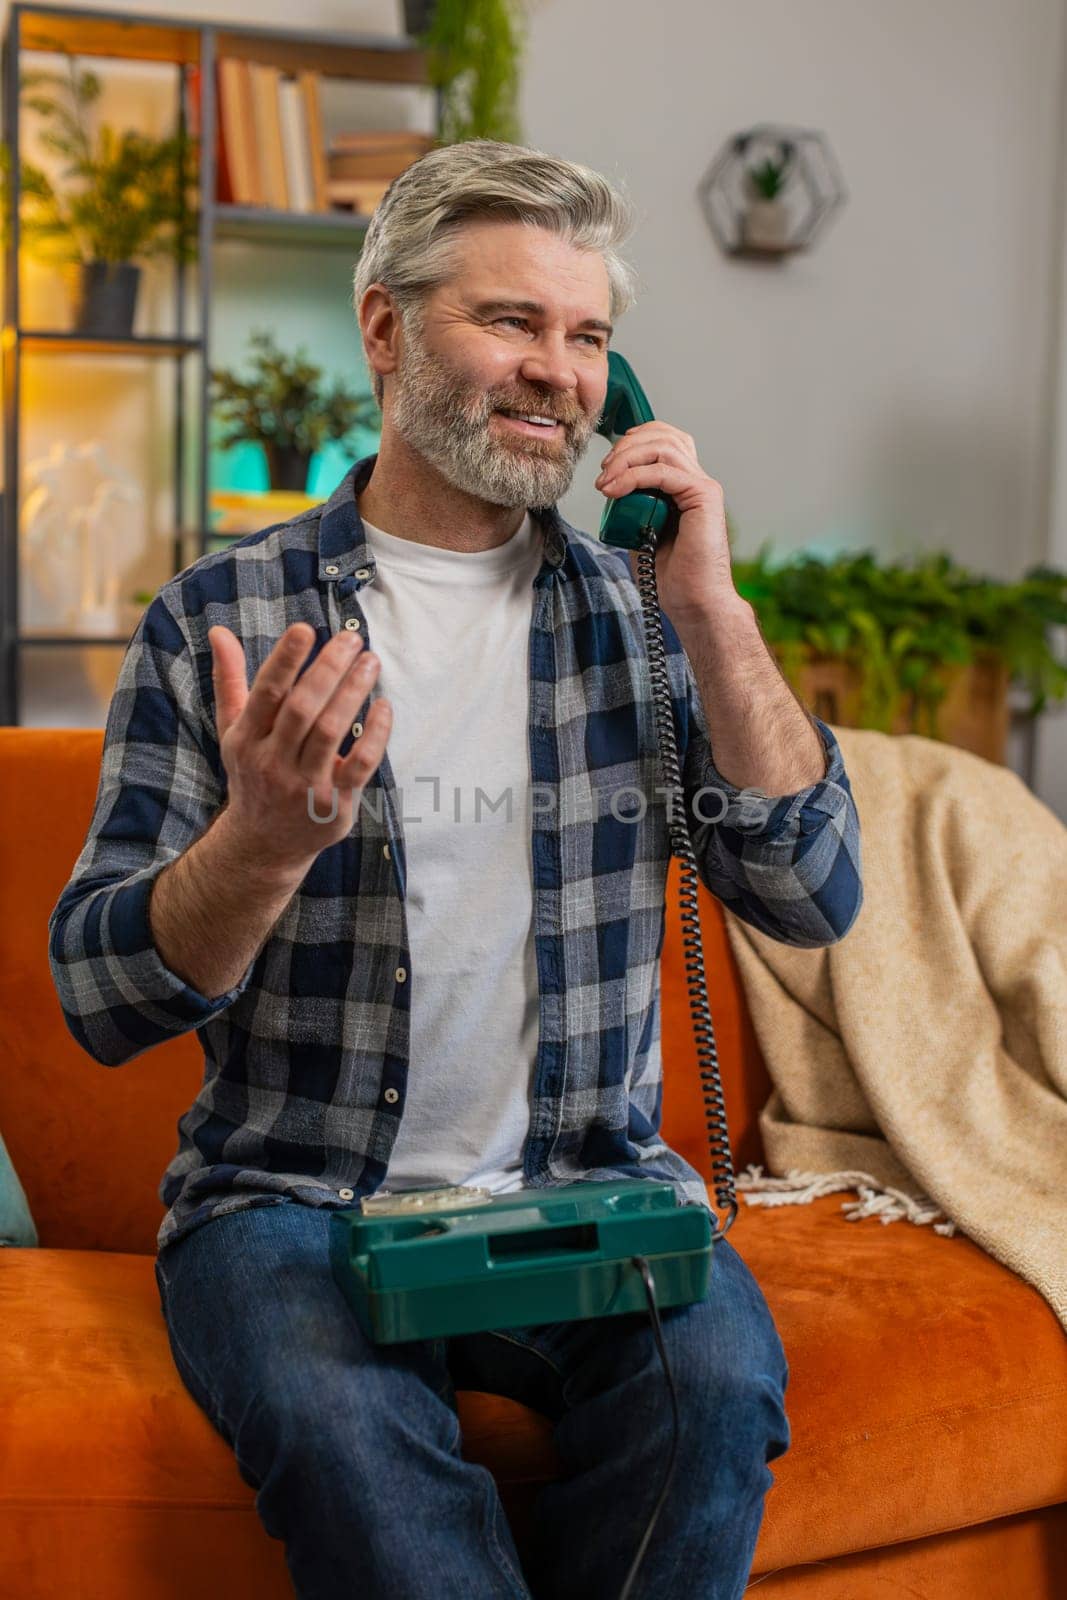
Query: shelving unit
point(183, 43)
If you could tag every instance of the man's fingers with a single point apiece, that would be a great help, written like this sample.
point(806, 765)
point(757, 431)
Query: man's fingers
point(229, 674)
point(363, 760)
point(276, 677)
point(315, 752)
point(299, 715)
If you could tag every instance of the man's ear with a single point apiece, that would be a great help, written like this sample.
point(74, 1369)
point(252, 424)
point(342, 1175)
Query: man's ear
point(379, 324)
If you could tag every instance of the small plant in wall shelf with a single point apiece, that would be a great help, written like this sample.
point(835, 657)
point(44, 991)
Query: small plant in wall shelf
point(766, 218)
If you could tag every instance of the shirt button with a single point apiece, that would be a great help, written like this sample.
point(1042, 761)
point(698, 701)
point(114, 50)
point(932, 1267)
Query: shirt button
point(345, 1194)
point(364, 572)
point(385, 852)
point(352, 624)
point(392, 1095)
point(333, 569)
point(357, 729)
point(400, 974)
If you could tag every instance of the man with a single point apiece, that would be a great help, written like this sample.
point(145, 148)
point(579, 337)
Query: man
point(466, 992)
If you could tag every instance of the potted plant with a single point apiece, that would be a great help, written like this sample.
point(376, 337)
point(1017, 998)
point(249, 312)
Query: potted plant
point(765, 222)
point(928, 648)
point(119, 201)
point(281, 407)
point(473, 49)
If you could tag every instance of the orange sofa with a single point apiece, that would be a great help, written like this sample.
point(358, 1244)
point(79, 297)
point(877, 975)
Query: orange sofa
point(928, 1385)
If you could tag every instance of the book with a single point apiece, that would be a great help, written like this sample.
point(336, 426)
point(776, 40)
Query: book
point(223, 178)
point(269, 135)
point(363, 194)
point(383, 139)
point(244, 95)
point(386, 162)
point(231, 125)
point(309, 87)
point(293, 112)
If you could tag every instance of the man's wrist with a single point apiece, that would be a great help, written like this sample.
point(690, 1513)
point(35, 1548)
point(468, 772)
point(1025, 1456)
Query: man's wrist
point(236, 853)
point(731, 618)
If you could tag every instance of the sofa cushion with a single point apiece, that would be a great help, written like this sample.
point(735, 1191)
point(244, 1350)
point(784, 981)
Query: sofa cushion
point(927, 1387)
point(927, 1390)
point(16, 1223)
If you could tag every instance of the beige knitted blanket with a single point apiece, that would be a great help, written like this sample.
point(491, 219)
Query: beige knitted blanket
point(922, 1060)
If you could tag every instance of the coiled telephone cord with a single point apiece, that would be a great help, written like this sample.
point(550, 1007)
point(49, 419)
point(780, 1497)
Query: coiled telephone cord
point(682, 847)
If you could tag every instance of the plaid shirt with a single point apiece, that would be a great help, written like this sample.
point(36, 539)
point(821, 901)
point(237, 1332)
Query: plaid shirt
point(306, 1058)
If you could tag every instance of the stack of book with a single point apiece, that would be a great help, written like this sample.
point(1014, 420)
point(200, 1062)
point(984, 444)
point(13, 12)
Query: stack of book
point(361, 166)
point(270, 147)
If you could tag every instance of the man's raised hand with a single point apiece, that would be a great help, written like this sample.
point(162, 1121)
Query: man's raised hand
point(278, 740)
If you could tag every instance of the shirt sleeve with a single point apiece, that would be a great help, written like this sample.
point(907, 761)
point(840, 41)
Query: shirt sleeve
point(789, 865)
point(161, 785)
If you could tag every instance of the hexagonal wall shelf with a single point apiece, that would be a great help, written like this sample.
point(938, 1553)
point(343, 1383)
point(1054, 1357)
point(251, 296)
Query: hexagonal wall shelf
point(770, 191)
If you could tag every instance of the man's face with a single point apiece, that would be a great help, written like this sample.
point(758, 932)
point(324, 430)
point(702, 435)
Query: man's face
point(475, 359)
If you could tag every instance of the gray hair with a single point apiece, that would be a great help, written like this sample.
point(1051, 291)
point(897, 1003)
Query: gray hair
point(410, 245)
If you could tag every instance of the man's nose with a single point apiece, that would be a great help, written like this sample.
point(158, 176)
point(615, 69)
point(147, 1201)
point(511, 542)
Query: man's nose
point(551, 363)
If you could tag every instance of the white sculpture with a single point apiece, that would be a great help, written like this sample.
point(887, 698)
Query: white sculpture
point(81, 526)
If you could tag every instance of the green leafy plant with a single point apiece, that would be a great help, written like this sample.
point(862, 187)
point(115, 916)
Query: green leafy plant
point(282, 404)
point(473, 51)
point(769, 178)
point(900, 625)
point(125, 197)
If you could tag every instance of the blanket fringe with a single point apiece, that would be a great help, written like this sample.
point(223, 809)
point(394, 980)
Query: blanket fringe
point(876, 1200)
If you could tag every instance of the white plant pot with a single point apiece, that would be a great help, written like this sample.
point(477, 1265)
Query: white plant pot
point(765, 225)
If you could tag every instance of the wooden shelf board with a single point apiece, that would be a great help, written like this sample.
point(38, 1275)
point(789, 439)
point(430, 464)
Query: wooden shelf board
point(111, 640)
point(372, 57)
point(46, 341)
point(261, 223)
point(103, 34)
point(337, 56)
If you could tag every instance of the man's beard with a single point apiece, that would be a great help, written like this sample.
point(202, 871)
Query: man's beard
point(449, 424)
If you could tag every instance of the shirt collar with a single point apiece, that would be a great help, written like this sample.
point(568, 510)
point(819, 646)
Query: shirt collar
point(344, 549)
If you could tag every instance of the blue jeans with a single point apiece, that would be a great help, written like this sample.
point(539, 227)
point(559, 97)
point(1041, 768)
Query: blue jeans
point(354, 1448)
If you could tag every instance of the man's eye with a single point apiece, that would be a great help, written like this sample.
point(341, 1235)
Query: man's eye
point(523, 323)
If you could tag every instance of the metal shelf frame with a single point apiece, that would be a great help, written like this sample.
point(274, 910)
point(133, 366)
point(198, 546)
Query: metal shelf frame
point(184, 43)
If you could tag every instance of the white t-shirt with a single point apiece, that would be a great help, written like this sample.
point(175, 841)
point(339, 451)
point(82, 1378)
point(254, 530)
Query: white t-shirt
point(452, 630)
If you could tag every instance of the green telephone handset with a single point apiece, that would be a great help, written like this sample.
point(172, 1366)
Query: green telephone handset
point(627, 520)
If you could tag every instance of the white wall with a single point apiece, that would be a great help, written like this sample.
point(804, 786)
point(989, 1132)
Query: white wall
point(897, 387)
